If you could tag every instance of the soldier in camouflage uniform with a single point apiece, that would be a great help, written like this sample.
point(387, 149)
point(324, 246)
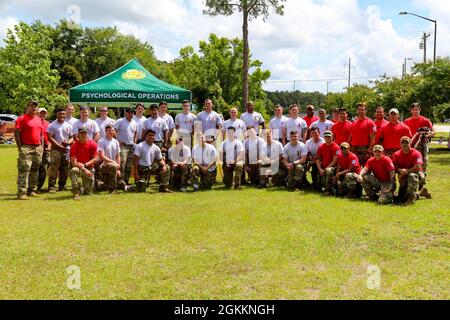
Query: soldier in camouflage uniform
point(294, 160)
point(348, 169)
point(179, 157)
point(326, 162)
point(204, 169)
point(29, 140)
point(378, 176)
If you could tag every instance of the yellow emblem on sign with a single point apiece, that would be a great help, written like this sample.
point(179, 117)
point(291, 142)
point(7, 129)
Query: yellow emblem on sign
point(133, 74)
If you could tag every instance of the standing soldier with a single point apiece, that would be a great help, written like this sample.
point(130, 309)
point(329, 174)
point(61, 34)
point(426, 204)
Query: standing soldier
point(109, 154)
point(271, 156)
point(278, 125)
point(422, 130)
point(103, 120)
point(252, 148)
point(347, 172)
point(60, 136)
point(326, 162)
point(46, 152)
point(253, 118)
point(380, 121)
point(391, 133)
point(184, 123)
point(341, 129)
point(294, 161)
point(408, 164)
point(295, 123)
point(232, 157)
point(169, 120)
point(148, 160)
point(204, 157)
point(139, 118)
point(335, 118)
point(126, 134)
point(381, 180)
point(310, 117)
point(312, 145)
point(236, 123)
point(159, 126)
point(93, 130)
point(83, 157)
point(323, 124)
point(210, 121)
point(29, 140)
point(179, 157)
point(70, 109)
point(362, 135)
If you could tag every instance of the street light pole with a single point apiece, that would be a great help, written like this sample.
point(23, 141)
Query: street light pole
point(435, 27)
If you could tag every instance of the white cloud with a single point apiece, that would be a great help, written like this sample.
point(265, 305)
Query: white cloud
point(5, 24)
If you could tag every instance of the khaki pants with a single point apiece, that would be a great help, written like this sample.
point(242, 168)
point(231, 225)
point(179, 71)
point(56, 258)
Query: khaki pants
point(206, 180)
point(28, 163)
point(372, 186)
point(229, 171)
point(87, 183)
point(59, 167)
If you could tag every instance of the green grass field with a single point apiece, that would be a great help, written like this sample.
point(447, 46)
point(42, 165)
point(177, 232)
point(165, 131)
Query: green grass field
point(249, 244)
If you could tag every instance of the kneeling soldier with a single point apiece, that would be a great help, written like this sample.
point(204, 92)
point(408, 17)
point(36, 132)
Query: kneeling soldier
point(408, 164)
point(346, 178)
point(232, 157)
point(382, 178)
point(148, 160)
point(271, 157)
point(326, 162)
point(109, 154)
point(294, 160)
point(179, 160)
point(83, 157)
point(204, 170)
point(252, 148)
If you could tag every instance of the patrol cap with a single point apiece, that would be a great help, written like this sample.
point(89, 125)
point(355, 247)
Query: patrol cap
point(310, 107)
point(82, 129)
point(394, 110)
point(405, 138)
point(328, 133)
point(345, 145)
point(378, 148)
point(42, 109)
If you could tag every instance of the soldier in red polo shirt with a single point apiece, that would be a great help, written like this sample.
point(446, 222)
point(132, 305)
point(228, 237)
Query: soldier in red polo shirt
point(408, 164)
point(362, 135)
point(379, 176)
point(29, 140)
point(83, 157)
point(391, 133)
point(341, 129)
point(326, 161)
point(347, 172)
point(421, 137)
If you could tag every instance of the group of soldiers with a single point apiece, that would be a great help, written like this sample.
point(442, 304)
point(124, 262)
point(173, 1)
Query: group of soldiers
point(343, 157)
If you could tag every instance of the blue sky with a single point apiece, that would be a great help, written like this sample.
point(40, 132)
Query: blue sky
point(313, 40)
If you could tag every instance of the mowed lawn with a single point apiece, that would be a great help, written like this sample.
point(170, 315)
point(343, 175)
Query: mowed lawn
point(249, 244)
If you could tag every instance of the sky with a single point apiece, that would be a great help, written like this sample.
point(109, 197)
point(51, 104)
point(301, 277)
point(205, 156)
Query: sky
point(308, 48)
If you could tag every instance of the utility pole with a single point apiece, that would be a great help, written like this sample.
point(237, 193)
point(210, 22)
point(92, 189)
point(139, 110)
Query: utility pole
point(294, 85)
point(423, 46)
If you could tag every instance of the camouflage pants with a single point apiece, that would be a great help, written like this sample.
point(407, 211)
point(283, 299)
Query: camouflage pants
point(59, 167)
point(424, 150)
point(163, 178)
point(43, 168)
point(126, 162)
point(180, 176)
point(28, 163)
point(206, 180)
point(228, 172)
point(108, 174)
point(294, 176)
point(372, 186)
point(349, 185)
point(409, 185)
point(315, 176)
point(253, 173)
point(326, 181)
point(87, 183)
point(362, 153)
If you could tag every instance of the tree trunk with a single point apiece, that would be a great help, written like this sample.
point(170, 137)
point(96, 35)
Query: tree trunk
point(245, 58)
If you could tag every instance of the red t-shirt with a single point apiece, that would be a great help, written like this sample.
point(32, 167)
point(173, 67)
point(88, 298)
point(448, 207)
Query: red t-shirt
point(350, 160)
point(309, 120)
point(381, 168)
point(326, 153)
point(341, 131)
point(415, 124)
point(361, 131)
point(31, 129)
point(407, 160)
point(392, 133)
point(83, 152)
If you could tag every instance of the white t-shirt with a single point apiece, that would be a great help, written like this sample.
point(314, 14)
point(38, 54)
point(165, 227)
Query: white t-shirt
point(209, 122)
point(71, 120)
point(169, 120)
point(323, 126)
point(252, 149)
point(312, 146)
point(60, 131)
point(91, 125)
point(102, 123)
point(238, 125)
point(277, 125)
point(139, 122)
point(231, 149)
point(147, 153)
point(126, 130)
point(179, 153)
point(204, 155)
point(110, 148)
point(159, 125)
point(298, 125)
point(185, 122)
point(294, 153)
point(252, 119)
point(273, 152)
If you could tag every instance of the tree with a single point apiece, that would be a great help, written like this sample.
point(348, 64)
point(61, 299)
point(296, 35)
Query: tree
point(250, 9)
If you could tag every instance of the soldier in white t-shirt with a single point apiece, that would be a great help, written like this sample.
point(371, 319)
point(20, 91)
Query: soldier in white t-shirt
point(323, 124)
point(70, 109)
point(294, 160)
point(204, 157)
point(179, 157)
point(139, 118)
point(209, 121)
point(232, 156)
point(278, 125)
point(271, 154)
point(109, 165)
point(103, 120)
point(184, 124)
point(252, 147)
point(159, 126)
point(295, 123)
point(126, 133)
point(312, 145)
point(93, 131)
point(169, 120)
point(236, 123)
point(253, 118)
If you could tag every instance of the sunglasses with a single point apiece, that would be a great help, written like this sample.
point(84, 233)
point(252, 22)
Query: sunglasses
point(405, 142)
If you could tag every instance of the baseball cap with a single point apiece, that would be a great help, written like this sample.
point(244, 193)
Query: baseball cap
point(378, 148)
point(42, 109)
point(34, 102)
point(394, 110)
point(128, 110)
point(328, 134)
point(310, 107)
point(405, 138)
point(82, 129)
point(345, 145)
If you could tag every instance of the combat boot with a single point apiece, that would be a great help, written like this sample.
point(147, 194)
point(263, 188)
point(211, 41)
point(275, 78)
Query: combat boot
point(411, 199)
point(424, 193)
